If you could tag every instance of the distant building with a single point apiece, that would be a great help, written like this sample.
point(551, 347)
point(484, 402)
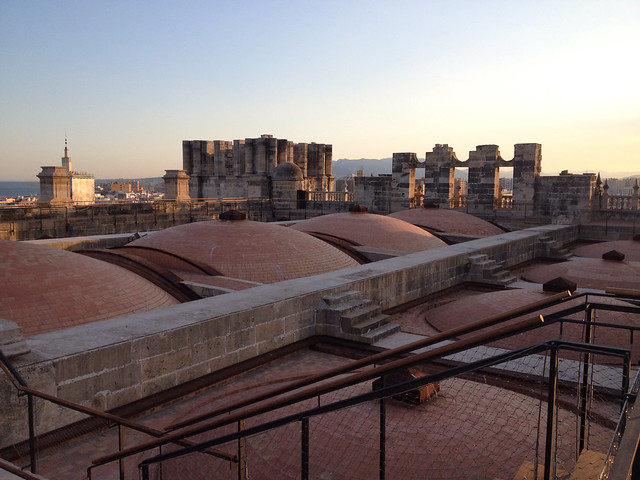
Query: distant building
point(62, 186)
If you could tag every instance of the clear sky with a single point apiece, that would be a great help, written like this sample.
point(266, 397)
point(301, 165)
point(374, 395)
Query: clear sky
point(127, 81)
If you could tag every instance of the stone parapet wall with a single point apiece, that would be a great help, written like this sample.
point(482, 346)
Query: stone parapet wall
point(111, 363)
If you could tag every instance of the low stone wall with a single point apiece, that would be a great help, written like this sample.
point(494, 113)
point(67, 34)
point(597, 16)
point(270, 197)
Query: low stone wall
point(111, 363)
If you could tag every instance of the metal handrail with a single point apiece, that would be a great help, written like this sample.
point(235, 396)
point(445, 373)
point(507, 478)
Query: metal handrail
point(328, 387)
point(380, 357)
point(389, 391)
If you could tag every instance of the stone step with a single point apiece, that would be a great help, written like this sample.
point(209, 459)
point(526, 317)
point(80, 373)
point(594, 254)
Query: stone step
point(338, 298)
point(350, 305)
point(348, 319)
point(369, 324)
point(381, 332)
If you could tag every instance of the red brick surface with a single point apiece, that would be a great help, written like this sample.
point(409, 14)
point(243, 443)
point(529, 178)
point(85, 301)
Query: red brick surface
point(449, 221)
point(254, 251)
point(44, 289)
point(372, 231)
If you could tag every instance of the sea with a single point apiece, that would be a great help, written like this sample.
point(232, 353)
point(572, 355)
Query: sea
point(14, 189)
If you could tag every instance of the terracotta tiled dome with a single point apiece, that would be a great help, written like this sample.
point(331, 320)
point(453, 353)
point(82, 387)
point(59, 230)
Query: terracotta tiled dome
point(44, 289)
point(372, 230)
point(630, 248)
point(479, 307)
point(589, 273)
point(254, 251)
point(448, 221)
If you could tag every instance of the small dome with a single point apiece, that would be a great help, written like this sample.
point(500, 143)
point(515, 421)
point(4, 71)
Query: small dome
point(630, 248)
point(253, 251)
point(372, 230)
point(46, 289)
point(448, 221)
point(589, 273)
point(288, 171)
point(474, 308)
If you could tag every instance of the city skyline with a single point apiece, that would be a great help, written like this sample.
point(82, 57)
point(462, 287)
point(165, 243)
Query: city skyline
point(127, 82)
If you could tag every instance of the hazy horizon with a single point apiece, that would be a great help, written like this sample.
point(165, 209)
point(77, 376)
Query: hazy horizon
point(126, 82)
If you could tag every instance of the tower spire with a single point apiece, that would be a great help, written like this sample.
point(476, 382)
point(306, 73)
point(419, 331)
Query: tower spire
point(66, 160)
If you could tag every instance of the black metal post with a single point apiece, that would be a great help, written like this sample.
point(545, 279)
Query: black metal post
point(145, 472)
point(586, 371)
point(551, 414)
point(304, 473)
point(383, 434)
point(32, 434)
point(120, 448)
point(242, 461)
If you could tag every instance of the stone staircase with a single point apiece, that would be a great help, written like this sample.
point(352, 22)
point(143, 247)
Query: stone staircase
point(484, 270)
point(553, 249)
point(347, 315)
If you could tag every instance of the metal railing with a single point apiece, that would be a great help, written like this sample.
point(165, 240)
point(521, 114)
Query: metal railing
point(452, 361)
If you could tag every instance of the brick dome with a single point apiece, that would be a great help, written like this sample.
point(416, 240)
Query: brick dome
point(589, 273)
point(475, 308)
point(630, 248)
point(448, 221)
point(372, 230)
point(253, 251)
point(46, 289)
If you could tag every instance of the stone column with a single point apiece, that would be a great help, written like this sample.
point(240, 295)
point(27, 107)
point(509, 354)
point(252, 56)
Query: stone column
point(403, 180)
point(439, 174)
point(176, 185)
point(483, 184)
point(527, 165)
point(55, 188)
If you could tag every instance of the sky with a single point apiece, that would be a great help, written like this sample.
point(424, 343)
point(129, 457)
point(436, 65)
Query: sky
point(127, 81)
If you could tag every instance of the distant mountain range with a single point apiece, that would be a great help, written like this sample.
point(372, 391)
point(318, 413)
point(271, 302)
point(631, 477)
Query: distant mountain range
point(346, 167)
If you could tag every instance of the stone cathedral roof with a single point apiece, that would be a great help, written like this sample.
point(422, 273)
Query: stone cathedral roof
point(44, 289)
point(253, 251)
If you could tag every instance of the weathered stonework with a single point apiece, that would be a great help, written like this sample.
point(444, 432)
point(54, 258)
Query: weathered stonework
point(176, 185)
point(245, 168)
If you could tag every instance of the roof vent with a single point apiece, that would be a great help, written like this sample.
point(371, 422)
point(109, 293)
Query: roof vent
point(357, 208)
point(559, 284)
point(431, 204)
point(232, 215)
point(613, 255)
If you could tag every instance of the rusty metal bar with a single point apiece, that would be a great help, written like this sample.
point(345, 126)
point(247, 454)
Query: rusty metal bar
point(330, 386)
point(449, 334)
